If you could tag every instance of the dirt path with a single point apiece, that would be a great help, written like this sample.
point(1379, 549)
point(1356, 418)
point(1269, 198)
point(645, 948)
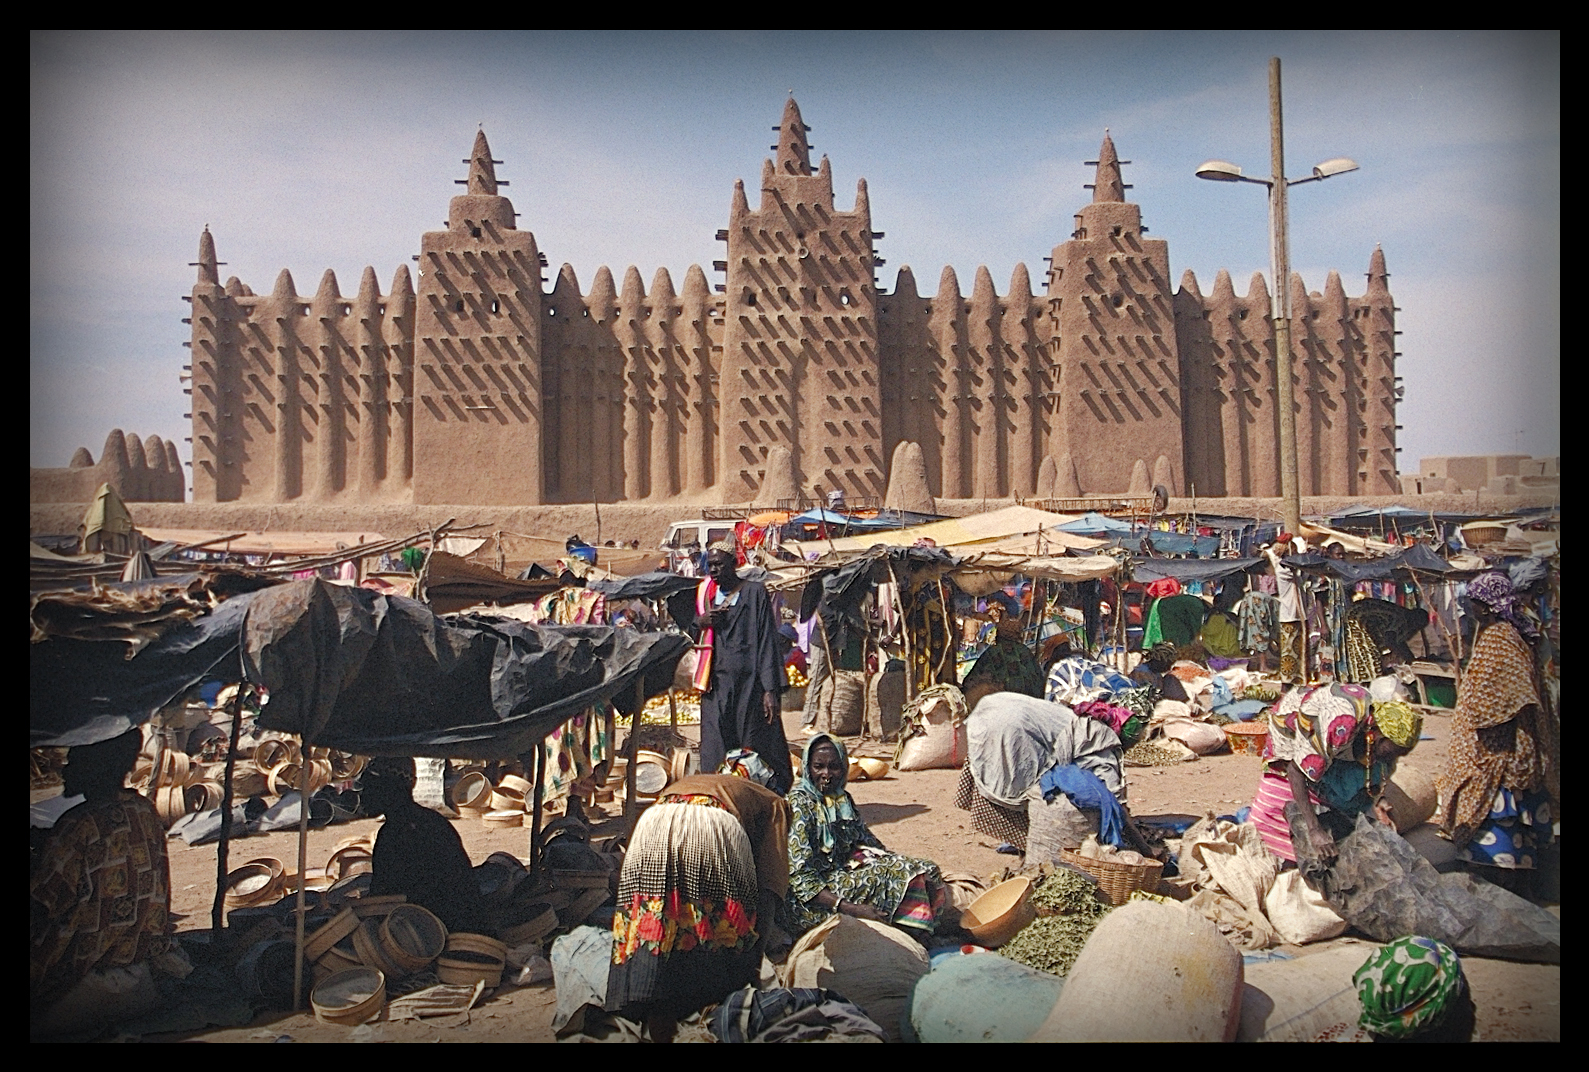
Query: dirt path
point(912, 813)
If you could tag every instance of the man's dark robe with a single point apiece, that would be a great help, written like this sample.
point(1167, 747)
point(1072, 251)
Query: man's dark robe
point(747, 663)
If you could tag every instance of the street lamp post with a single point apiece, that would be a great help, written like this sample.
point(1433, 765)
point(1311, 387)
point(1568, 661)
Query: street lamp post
point(1280, 271)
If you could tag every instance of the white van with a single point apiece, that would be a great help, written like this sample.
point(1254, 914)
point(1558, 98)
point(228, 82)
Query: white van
point(687, 539)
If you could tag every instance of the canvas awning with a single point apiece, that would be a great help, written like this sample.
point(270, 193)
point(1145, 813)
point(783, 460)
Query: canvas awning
point(1008, 524)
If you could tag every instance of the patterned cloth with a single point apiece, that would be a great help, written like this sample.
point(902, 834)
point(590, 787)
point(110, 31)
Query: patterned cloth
point(831, 848)
point(1076, 678)
point(1494, 743)
point(995, 820)
point(684, 932)
point(1291, 661)
point(1408, 987)
point(1495, 591)
point(1258, 614)
point(100, 896)
point(573, 751)
point(1011, 665)
point(1513, 832)
point(798, 1015)
point(1363, 661)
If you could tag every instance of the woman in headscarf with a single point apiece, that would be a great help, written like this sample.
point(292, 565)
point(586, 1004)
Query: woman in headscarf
point(1335, 749)
point(1414, 990)
point(1497, 808)
point(1154, 670)
point(1008, 665)
point(704, 871)
point(1375, 626)
point(836, 863)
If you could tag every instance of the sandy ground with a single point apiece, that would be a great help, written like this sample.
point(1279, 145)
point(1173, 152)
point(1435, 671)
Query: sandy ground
point(912, 813)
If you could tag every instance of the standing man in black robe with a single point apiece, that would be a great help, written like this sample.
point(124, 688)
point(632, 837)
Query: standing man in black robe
point(740, 707)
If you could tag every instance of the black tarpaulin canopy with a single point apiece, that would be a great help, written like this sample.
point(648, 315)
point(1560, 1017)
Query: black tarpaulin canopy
point(1417, 557)
point(353, 669)
point(1190, 569)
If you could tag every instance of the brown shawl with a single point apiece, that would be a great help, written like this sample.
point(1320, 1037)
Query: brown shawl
point(763, 813)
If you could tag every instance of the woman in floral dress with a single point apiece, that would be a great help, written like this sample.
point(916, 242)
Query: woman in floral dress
point(836, 863)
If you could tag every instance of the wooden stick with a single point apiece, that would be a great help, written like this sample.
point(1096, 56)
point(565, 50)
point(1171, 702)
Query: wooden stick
point(305, 765)
point(539, 759)
point(1453, 646)
point(673, 711)
point(904, 625)
point(632, 750)
point(224, 848)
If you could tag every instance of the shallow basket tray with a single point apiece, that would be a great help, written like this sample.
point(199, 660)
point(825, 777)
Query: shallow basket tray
point(1116, 881)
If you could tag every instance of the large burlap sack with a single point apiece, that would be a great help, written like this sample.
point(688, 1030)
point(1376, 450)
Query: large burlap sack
point(884, 700)
point(1151, 972)
point(1055, 825)
point(1413, 798)
point(931, 738)
point(872, 965)
point(1309, 999)
point(1175, 719)
point(843, 700)
point(1300, 913)
point(982, 998)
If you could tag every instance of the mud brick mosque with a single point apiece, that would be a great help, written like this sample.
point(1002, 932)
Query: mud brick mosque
point(472, 382)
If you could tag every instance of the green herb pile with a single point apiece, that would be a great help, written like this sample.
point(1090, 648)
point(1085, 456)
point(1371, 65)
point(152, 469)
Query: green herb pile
point(1051, 943)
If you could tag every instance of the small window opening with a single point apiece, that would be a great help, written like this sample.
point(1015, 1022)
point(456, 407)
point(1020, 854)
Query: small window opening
point(1114, 231)
point(474, 232)
point(457, 306)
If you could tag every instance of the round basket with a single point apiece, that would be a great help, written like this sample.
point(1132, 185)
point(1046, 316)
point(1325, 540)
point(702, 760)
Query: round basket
point(1116, 881)
point(367, 944)
point(472, 958)
point(273, 752)
point(345, 766)
point(340, 957)
point(202, 796)
point(318, 944)
point(175, 769)
point(472, 793)
point(1247, 738)
point(375, 907)
point(350, 860)
point(504, 818)
point(170, 803)
point(412, 937)
point(349, 997)
point(996, 916)
point(652, 772)
point(506, 798)
point(254, 883)
point(541, 922)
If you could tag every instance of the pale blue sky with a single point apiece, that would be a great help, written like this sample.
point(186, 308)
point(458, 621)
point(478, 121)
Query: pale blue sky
point(315, 151)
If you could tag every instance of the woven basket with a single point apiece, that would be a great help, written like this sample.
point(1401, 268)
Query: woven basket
point(411, 937)
point(1247, 738)
point(472, 958)
point(321, 941)
point(1116, 881)
point(349, 997)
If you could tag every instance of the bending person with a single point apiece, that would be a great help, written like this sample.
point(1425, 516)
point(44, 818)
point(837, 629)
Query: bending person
point(1330, 747)
point(1008, 665)
point(706, 868)
point(836, 863)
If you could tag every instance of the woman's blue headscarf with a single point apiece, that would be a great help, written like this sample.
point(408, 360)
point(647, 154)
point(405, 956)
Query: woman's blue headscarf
point(830, 808)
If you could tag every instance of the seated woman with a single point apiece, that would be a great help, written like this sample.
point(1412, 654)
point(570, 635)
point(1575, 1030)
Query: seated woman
point(1154, 669)
point(1013, 741)
point(1330, 746)
point(1008, 665)
point(418, 853)
point(706, 868)
point(837, 865)
point(99, 900)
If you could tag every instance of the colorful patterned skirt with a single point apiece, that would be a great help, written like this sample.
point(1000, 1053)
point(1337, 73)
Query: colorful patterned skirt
point(684, 933)
point(1510, 836)
point(911, 891)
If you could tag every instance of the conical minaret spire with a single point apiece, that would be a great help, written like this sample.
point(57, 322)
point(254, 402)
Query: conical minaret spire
point(1108, 185)
point(482, 169)
point(206, 264)
point(794, 152)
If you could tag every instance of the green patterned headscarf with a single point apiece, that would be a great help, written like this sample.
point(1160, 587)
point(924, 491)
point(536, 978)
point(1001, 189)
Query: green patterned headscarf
point(832, 808)
point(1408, 987)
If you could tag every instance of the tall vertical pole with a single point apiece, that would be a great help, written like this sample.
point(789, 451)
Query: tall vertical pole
point(1280, 269)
